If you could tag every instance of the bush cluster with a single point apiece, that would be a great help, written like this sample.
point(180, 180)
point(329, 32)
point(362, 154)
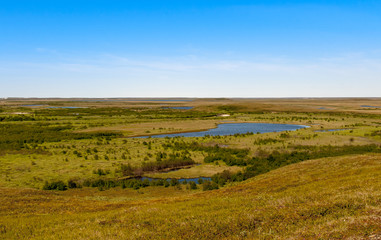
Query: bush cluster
point(55, 185)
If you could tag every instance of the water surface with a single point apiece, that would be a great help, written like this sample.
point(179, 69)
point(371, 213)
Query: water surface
point(367, 106)
point(234, 128)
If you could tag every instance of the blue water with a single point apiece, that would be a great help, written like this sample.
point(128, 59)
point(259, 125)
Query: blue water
point(233, 128)
point(180, 180)
point(367, 106)
point(179, 108)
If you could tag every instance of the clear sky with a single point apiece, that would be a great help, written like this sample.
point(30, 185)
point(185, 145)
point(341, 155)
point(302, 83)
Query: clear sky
point(190, 48)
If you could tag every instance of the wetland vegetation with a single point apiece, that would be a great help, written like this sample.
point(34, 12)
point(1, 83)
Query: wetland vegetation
point(86, 157)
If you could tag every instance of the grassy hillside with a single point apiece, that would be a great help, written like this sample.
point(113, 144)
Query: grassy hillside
point(328, 198)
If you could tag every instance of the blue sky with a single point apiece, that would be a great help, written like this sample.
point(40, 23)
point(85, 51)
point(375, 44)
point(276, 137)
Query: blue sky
point(199, 48)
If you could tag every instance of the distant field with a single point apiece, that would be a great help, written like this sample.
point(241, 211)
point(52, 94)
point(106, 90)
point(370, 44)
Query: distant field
point(306, 184)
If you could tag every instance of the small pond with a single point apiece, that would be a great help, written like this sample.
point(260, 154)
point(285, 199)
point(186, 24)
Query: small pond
point(367, 106)
point(234, 128)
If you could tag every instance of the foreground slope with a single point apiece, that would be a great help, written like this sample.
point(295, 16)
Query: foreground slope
point(330, 198)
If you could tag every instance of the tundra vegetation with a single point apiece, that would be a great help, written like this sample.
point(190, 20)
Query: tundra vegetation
point(84, 173)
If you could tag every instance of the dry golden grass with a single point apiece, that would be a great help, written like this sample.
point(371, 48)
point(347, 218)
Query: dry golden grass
point(332, 198)
point(204, 170)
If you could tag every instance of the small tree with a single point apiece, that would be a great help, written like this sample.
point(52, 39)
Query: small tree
point(57, 185)
point(174, 182)
point(192, 185)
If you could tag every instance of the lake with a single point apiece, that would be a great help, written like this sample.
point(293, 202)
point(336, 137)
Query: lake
point(234, 128)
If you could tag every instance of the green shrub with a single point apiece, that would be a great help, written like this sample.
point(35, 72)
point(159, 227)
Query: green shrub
point(208, 185)
point(174, 182)
point(55, 185)
point(73, 184)
point(192, 185)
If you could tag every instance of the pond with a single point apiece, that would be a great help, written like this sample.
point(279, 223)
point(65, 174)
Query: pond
point(234, 128)
point(367, 106)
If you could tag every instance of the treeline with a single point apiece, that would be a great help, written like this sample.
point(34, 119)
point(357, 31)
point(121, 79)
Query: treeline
point(135, 183)
point(167, 164)
point(265, 141)
point(227, 157)
point(29, 136)
point(231, 156)
point(147, 113)
point(164, 162)
point(20, 117)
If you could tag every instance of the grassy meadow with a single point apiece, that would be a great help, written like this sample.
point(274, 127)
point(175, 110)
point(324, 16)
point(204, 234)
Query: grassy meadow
point(73, 168)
